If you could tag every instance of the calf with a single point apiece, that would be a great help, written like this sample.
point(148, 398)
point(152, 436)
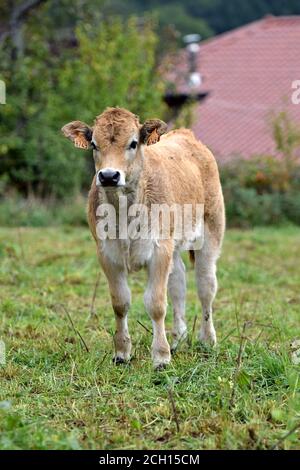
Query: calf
point(132, 161)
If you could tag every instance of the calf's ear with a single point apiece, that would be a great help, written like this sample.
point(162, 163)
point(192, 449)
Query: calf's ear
point(79, 133)
point(151, 131)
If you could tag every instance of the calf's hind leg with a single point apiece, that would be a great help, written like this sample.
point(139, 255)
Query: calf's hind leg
point(206, 279)
point(177, 293)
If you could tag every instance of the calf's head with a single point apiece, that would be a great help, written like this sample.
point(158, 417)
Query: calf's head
point(116, 139)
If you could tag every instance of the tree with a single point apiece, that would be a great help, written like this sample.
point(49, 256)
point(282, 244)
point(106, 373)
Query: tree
point(113, 64)
point(19, 13)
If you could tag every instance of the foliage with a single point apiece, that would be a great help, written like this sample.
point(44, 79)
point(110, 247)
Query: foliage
point(112, 65)
point(16, 211)
point(223, 15)
point(286, 135)
point(186, 115)
point(261, 191)
point(265, 189)
point(206, 16)
point(177, 16)
point(170, 15)
point(56, 395)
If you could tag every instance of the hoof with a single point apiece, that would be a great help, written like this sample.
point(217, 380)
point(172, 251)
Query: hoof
point(160, 367)
point(208, 338)
point(118, 361)
point(208, 343)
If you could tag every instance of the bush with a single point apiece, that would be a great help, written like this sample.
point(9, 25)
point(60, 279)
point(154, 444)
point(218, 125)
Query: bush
point(262, 191)
point(19, 212)
point(291, 206)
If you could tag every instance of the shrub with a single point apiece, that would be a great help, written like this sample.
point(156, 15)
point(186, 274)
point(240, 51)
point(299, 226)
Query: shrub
point(291, 206)
point(16, 211)
point(262, 191)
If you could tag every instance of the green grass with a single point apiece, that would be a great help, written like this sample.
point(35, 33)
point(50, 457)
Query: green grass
point(55, 394)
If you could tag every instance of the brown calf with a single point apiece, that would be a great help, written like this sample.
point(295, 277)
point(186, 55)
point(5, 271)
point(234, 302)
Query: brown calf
point(176, 169)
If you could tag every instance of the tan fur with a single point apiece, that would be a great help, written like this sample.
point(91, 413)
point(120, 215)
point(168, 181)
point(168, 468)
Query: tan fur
point(177, 169)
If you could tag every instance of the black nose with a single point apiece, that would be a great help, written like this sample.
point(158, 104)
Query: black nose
point(109, 177)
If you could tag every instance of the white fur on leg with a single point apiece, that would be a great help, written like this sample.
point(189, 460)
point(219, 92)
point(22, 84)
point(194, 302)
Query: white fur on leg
point(177, 293)
point(122, 340)
point(161, 355)
point(207, 334)
point(121, 299)
point(205, 267)
point(155, 300)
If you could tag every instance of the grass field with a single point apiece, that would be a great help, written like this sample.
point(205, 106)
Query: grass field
point(58, 391)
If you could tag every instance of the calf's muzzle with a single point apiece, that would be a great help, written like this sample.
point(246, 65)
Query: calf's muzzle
point(109, 177)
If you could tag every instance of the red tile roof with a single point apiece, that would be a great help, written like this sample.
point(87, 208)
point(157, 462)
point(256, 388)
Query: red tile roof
point(249, 74)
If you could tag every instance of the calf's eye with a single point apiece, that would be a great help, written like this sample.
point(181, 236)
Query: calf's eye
point(94, 146)
point(133, 144)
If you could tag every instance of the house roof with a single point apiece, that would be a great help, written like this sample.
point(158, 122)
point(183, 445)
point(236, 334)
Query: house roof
point(249, 74)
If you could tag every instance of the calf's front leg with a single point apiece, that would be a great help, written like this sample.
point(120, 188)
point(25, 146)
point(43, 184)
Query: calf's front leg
point(155, 300)
point(121, 299)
